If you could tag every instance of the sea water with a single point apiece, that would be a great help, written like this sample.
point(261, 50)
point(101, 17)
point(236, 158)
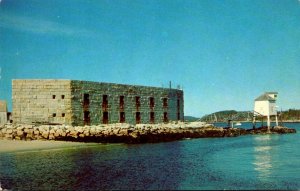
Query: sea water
point(244, 162)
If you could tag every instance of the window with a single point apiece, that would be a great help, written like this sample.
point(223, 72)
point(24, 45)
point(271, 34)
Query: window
point(54, 115)
point(178, 109)
point(62, 96)
point(122, 117)
point(53, 96)
point(137, 117)
point(152, 116)
point(121, 102)
point(86, 102)
point(165, 102)
point(105, 117)
point(137, 101)
point(104, 102)
point(63, 114)
point(86, 99)
point(151, 102)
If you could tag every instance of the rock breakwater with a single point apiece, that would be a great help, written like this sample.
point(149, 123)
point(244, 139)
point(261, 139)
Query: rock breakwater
point(125, 133)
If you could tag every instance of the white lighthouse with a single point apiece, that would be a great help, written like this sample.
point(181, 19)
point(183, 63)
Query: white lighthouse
point(265, 105)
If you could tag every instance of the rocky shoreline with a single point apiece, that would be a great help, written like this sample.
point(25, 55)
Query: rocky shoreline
point(126, 133)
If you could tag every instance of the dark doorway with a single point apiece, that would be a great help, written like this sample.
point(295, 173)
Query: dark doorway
point(152, 117)
point(122, 117)
point(105, 117)
point(137, 117)
point(178, 116)
point(87, 119)
point(166, 117)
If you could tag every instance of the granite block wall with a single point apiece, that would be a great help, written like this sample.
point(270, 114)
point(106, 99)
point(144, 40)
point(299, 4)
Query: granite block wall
point(89, 103)
point(41, 101)
point(97, 92)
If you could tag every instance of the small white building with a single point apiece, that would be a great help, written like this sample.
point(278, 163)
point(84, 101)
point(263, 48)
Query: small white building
point(265, 105)
point(3, 112)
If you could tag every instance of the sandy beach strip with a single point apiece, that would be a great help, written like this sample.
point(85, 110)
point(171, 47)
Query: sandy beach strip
point(17, 146)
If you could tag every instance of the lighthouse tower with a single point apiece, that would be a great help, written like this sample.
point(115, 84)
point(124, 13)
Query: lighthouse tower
point(265, 105)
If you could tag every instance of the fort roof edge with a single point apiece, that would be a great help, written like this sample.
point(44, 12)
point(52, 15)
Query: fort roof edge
point(87, 81)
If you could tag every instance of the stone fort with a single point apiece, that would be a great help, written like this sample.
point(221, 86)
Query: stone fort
point(74, 102)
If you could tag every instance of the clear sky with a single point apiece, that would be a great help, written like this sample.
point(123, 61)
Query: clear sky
point(224, 53)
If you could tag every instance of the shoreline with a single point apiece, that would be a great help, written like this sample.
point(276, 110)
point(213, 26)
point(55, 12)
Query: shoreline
point(129, 134)
point(9, 146)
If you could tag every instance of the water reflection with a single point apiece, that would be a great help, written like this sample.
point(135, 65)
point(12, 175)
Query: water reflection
point(148, 166)
point(263, 156)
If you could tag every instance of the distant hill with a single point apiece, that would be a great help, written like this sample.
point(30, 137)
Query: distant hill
point(190, 118)
point(224, 116)
point(291, 114)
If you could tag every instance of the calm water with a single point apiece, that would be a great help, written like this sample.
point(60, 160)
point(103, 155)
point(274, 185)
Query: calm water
point(245, 162)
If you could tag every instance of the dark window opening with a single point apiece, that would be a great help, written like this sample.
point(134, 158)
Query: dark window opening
point(62, 96)
point(105, 118)
point(87, 119)
point(151, 102)
point(63, 114)
point(54, 115)
point(122, 117)
point(104, 102)
point(86, 102)
point(53, 96)
point(166, 117)
point(165, 102)
point(152, 116)
point(86, 99)
point(121, 102)
point(137, 117)
point(137, 102)
point(178, 109)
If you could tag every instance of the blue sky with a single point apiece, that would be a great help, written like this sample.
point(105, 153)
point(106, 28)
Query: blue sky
point(224, 53)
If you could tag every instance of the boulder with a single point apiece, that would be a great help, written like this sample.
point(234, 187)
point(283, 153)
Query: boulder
point(20, 133)
point(115, 131)
point(36, 132)
point(51, 137)
point(45, 134)
point(9, 131)
point(52, 131)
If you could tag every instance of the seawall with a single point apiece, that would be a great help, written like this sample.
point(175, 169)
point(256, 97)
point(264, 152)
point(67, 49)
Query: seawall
point(125, 133)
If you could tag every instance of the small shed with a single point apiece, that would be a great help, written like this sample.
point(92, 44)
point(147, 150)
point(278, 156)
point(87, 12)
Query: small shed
point(3, 112)
point(265, 105)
